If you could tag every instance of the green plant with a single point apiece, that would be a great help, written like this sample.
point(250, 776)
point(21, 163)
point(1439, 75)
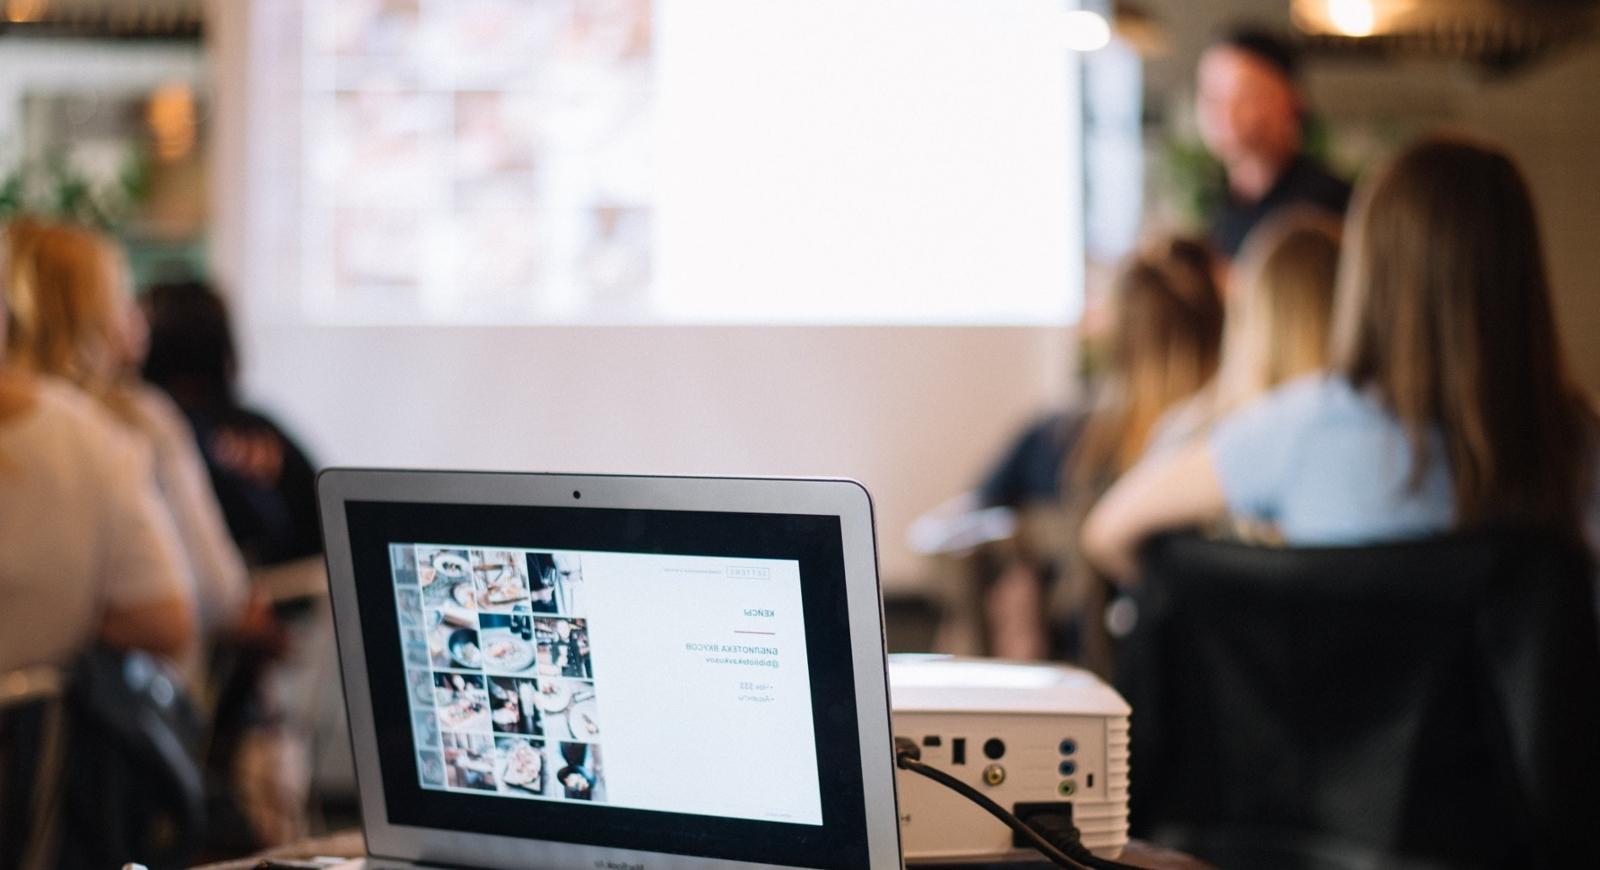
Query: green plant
point(1189, 180)
point(57, 190)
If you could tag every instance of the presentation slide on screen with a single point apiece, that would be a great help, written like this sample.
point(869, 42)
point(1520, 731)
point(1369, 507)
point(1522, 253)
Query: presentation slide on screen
point(673, 683)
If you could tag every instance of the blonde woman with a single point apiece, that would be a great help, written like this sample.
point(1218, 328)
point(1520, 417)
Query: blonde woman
point(1449, 404)
point(73, 318)
point(86, 551)
point(1280, 316)
point(1165, 333)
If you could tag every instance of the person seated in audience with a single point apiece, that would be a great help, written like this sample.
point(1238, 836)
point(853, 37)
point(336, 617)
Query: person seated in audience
point(262, 478)
point(73, 318)
point(1449, 404)
point(1164, 345)
point(260, 751)
point(1280, 316)
point(89, 552)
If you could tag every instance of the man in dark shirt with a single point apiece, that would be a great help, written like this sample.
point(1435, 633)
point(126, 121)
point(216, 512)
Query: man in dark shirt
point(1251, 115)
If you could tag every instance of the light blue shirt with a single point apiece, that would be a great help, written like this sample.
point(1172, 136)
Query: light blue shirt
point(1327, 464)
point(1330, 465)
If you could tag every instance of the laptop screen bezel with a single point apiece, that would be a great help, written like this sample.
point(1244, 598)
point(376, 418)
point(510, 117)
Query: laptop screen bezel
point(843, 499)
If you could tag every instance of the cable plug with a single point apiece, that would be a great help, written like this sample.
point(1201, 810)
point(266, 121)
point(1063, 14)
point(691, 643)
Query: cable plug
point(1057, 827)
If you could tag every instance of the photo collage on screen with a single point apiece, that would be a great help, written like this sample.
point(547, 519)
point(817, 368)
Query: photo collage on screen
point(498, 670)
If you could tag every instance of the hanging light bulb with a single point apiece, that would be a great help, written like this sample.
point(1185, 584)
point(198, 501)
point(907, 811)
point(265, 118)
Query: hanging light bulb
point(24, 11)
point(170, 113)
point(1085, 30)
point(1352, 17)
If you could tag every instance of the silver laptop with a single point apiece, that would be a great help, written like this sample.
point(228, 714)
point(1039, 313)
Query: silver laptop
point(586, 671)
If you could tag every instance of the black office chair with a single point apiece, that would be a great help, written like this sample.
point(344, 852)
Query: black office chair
point(1427, 704)
point(97, 766)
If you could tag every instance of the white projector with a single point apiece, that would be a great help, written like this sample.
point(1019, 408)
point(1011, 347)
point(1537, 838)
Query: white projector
point(1030, 736)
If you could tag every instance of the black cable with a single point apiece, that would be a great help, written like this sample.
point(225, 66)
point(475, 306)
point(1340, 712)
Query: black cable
point(1065, 835)
point(907, 759)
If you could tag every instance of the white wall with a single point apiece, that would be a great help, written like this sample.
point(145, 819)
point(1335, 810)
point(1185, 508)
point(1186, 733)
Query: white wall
point(913, 412)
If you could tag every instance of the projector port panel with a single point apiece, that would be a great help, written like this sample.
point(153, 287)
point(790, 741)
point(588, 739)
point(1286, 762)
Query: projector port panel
point(939, 824)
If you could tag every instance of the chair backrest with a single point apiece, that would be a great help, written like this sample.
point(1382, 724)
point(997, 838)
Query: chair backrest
point(1436, 700)
point(97, 766)
point(31, 745)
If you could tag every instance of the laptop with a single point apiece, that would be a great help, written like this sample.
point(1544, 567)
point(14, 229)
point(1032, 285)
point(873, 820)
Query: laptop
point(592, 671)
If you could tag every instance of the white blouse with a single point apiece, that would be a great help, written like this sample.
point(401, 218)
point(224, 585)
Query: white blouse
point(82, 526)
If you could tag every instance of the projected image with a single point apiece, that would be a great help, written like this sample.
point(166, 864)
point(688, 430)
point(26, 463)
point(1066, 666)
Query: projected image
point(498, 256)
point(484, 160)
point(510, 44)
point(554, 161)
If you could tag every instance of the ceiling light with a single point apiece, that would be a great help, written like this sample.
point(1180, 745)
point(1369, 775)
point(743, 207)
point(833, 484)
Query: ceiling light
point(1084, 30)
point(24, 11)
point(1498, 34)
point(1352, 17)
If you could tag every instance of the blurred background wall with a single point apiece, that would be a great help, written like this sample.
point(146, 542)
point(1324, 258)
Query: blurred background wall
point(178, 122)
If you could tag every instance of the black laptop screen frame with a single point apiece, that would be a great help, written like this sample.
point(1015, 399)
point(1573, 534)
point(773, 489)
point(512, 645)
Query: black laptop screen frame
point(814, 541)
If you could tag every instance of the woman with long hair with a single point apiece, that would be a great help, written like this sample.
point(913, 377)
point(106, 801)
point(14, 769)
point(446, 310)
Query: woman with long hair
point(1278, 325)
point(73, 318)
point(1167, 323)
point(1163, 346)
point(86, 552)
point(1448, 406)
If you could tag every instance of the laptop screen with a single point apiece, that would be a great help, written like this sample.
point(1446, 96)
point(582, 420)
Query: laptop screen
point(670, 681)
point(562, 675)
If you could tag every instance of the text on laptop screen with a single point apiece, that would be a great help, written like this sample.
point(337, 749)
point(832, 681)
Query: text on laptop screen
point(633, 680)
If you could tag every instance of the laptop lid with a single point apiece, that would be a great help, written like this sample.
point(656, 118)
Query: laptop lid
point(582, 671)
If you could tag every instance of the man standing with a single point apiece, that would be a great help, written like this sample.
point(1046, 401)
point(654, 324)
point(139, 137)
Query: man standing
point(1251, 115)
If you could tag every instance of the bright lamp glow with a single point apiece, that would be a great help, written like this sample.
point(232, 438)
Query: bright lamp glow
point(1352, 17)
point(1085, 30)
